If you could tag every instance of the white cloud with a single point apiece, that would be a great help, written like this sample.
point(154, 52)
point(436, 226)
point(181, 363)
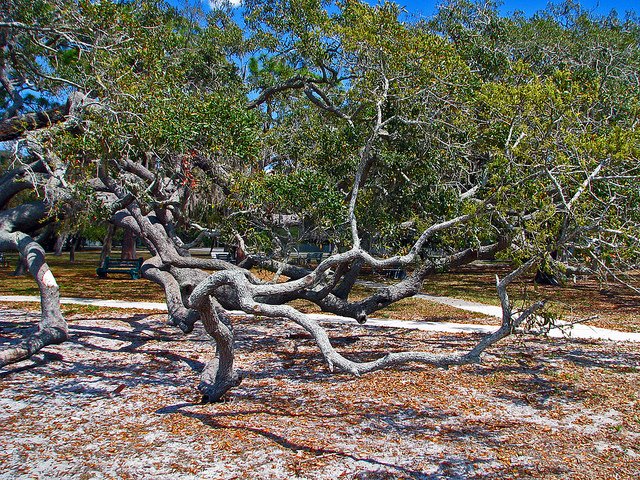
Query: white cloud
point(223, 3)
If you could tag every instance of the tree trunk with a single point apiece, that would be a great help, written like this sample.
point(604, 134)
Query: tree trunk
point(240, 250)
point(14, 128)
point(21, 267)
point(179, 315)
point(60, 242)
point(128, 245)
point(75, 244)
point(107, 243)
point(52, 328)
point(219, 376)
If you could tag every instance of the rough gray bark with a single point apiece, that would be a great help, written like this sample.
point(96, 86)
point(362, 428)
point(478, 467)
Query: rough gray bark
point(247, 294)
point(17, 180)
point(52, 328)
point(179, 315)
point(15, 127)
point(219, 375)
point(128, 246)
point(59, 246)
point(107, 243)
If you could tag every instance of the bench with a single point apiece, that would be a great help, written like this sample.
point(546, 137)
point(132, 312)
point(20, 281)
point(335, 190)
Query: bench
point(305, 256)
point(226, 256)
point(130, 267)
point(317, 257)
point(219, 253)
point(395, 273)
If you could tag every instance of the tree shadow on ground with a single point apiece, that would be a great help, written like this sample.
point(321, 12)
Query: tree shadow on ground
point(534, 377)
point(140, 336)
point(293, 354)
point(148, 337)
point(452, 466)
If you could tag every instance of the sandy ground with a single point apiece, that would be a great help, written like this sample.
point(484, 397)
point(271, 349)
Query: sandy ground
point(119, 401)
point(481, 325)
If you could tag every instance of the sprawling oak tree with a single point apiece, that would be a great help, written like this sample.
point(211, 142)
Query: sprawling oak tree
point(413, 146)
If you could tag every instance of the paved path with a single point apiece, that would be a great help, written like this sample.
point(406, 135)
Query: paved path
point(90, 301)
point(488, 310)
point(564, 330)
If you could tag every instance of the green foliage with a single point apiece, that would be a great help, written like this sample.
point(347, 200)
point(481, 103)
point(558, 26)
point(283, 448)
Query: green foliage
point(526, 108)
point(535, 117)
point(267, 201)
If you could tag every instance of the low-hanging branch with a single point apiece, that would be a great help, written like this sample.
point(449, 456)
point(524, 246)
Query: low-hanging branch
point(247, 294)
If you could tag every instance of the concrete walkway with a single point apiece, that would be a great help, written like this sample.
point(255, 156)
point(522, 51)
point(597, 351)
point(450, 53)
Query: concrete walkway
point(563, 330)
point(488, 310)
point(90, 301)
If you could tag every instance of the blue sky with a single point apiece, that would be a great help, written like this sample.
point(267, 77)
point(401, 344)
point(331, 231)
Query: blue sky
point(427, 7)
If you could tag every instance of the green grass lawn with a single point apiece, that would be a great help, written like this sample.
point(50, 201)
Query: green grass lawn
point(615, 306)
point(79, 279)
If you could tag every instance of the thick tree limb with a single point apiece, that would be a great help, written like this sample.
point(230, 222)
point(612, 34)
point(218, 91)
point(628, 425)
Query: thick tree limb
point(247, 294)
point(179, 315)
point(15, 127)
point(294, 83)
point(219, 375)
point(52, 328)
point(19, 179)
